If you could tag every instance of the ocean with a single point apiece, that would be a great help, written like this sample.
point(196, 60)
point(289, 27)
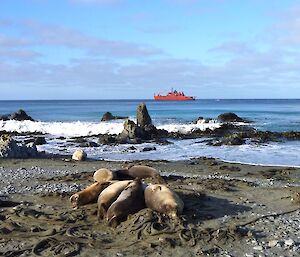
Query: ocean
point(82, 118)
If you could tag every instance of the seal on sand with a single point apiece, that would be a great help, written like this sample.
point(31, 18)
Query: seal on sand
point(162, 199)
point(109, 195)
point(103, 175)
point(129, 201)
point(141, 171)
point(89, 194)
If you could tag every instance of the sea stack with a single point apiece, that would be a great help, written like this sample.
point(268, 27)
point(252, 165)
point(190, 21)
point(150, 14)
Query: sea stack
point(143, 118)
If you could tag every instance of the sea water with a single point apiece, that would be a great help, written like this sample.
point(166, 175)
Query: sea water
point(82, 118)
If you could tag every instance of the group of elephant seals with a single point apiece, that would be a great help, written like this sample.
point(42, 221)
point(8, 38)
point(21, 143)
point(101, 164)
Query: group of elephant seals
point(131, 172)
point(162, 199)
point(118, 199)
point(89, 194)
point(109, 195)
point(130, 201)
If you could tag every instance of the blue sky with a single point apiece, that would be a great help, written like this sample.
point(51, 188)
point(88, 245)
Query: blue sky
point(112, 49)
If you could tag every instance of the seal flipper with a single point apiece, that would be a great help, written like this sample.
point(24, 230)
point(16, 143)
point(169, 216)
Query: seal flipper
point(101, 212)
point(113, 222)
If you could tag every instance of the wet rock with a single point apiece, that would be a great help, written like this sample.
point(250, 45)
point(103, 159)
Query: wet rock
point(229, 117)
point(148, 149)
point(20, 115)
point(108, 116)
point(198, 119)
point(131, 130)
point(79, 155)
point(295, 135)
point(9, 148)
point(131, 148)
point(89, 144)
point(40, 141)
point(107, 139)
point(235, 139)
point(142, 116)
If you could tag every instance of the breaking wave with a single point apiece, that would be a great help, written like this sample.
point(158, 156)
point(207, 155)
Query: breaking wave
point(80, 128)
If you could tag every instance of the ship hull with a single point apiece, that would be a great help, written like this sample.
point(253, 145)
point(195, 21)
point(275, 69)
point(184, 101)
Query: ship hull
point(173, 98)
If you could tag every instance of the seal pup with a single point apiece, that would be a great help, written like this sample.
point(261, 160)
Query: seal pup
point(89, 194)
point(109, 195)
point(162, 199)
point(128, 202)
point(141, 171)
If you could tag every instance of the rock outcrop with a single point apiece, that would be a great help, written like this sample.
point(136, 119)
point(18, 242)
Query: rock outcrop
point(9, 148)
point(230, 117)
point(143, 118)
point(20, 115)
point(108, 116)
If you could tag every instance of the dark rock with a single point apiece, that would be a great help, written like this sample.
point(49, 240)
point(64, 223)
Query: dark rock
point(234, 139)
point(107, 139)
point(131, 148)
point(142, 116)
point(148, 149)
point(229, 117)
point(108, 116)
point(79, 140)
point(198, 119)
point(20, 115)
point(89, 144)
point(10, 149)
point(40, 141)
point(130, 130)
point(295, 135)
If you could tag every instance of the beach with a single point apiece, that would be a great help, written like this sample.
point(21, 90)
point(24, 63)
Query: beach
point(230, 210)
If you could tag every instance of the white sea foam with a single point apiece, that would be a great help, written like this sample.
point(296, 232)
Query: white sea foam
point(78, 128)
point(185, 128)
point(281, 154)
point(67, 129)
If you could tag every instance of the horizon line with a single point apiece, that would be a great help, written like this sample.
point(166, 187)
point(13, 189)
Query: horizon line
point(146, 99)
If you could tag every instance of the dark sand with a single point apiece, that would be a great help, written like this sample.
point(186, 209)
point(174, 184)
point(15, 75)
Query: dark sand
point(230, 210)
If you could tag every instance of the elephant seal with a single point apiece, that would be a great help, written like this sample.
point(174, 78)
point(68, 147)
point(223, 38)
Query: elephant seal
point(103, 175)
point(89, 194)
point(129, 201)
point(109, 195)
point(162, 199)
point(141, 171)
point(79, 155)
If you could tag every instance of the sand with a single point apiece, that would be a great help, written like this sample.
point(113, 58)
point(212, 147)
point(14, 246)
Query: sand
point(230, 210)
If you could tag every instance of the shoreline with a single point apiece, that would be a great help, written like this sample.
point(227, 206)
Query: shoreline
point(218, 196)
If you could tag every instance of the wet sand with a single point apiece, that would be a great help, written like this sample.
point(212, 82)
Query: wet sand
point(230, 210)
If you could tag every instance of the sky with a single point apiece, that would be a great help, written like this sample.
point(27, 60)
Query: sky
point(126, 49)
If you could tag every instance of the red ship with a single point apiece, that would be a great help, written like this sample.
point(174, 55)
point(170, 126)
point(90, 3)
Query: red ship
point(173, 95)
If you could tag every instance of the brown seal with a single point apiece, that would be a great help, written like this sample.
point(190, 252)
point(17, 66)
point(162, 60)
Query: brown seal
point(129, 201)
point(161, 199)
point(89, 194)
point(141, 171)
point(109, 195)
point(102, 175)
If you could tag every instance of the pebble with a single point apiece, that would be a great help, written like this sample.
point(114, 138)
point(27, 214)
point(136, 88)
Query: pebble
point(272, 243)
point(289, 242)
point(258, 248)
